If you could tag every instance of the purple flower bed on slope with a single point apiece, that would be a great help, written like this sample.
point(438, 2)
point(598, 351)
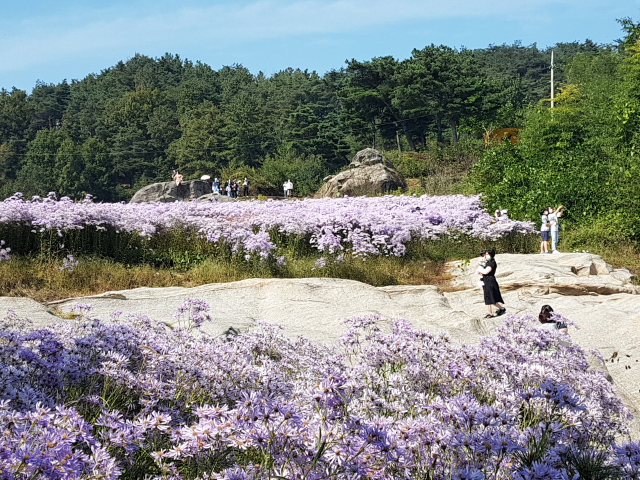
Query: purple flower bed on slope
point(129, 397)
point(362, 226)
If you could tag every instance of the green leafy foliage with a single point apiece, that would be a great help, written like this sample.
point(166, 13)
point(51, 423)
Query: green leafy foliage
point(133, 123)
point(582, 153)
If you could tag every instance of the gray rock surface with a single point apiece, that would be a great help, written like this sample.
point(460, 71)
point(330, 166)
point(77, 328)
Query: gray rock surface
point(605, 306)
point(39, 314)
point(210, 197)
point(170, 192)
point(368, 173)
point(564, 273)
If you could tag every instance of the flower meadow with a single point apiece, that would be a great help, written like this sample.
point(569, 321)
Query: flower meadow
point(358, 226)
point(128, 397)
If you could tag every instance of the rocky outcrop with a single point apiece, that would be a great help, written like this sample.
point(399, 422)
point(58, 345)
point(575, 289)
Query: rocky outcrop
point(565, 273)
point(170, 192)
point(210, 197)
point(604, 304)
point(368, 173)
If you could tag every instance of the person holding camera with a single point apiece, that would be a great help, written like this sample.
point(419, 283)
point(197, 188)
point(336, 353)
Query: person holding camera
point(554, 221)
point(492, 295)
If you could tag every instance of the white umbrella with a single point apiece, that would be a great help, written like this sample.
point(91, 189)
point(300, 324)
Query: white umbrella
point(205, 177)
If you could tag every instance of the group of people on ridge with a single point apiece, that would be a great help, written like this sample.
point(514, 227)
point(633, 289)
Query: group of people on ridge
point(288, 188)
point(231, 188)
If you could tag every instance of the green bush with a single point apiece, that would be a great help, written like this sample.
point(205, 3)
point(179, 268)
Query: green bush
point(575, 154)
point(306, 172)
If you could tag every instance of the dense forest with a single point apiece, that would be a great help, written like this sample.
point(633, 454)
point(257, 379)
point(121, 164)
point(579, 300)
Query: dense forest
point(132, 124)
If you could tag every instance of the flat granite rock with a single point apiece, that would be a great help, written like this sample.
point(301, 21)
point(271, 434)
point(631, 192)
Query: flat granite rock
point(311, 307)
point(39, 314)
point(601, 300)
point(564, 273)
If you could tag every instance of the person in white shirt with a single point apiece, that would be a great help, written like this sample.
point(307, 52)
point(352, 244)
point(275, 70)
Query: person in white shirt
point(290, 188)
point(544, 230)
point(554, 215)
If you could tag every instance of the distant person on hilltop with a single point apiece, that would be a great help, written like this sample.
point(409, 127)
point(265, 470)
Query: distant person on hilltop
point(501, 215)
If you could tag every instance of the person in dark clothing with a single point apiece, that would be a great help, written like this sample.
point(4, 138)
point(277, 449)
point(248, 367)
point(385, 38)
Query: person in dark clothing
point(549, 322)
point(492, 295)
point(245, 187)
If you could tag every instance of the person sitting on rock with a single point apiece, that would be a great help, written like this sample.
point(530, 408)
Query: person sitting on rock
point(548, 322)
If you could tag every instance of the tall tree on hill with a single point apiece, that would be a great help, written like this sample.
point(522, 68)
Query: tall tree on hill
point(16, 113)
point(368, 97)
point(84, 169)
point(201, 148)
point(138, 128)
point(442, 83)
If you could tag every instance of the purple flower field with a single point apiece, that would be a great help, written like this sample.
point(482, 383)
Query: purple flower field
point(130, 398)
point(360, 226)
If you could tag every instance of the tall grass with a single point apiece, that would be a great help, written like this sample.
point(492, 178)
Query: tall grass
point(181, 259)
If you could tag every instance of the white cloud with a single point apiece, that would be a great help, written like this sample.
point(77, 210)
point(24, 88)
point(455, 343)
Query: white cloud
point(90, 32)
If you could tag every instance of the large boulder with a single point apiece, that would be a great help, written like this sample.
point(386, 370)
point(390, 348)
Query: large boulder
point(170, 192)
point(368, 173)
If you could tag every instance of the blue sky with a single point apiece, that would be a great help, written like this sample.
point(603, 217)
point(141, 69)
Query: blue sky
point(52, 41)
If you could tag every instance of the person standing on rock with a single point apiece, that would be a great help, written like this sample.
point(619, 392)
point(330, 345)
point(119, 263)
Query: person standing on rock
point(216, 186)
point(544, 231)
point(492, 295)
point(177, 177)
point(554, 216)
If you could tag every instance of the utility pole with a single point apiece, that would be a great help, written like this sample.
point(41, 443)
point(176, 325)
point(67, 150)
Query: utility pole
point(552, 91)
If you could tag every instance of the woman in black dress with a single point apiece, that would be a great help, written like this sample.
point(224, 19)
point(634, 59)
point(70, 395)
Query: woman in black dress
point(491, 289)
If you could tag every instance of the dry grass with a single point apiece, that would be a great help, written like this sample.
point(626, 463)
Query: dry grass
point(44, 281)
